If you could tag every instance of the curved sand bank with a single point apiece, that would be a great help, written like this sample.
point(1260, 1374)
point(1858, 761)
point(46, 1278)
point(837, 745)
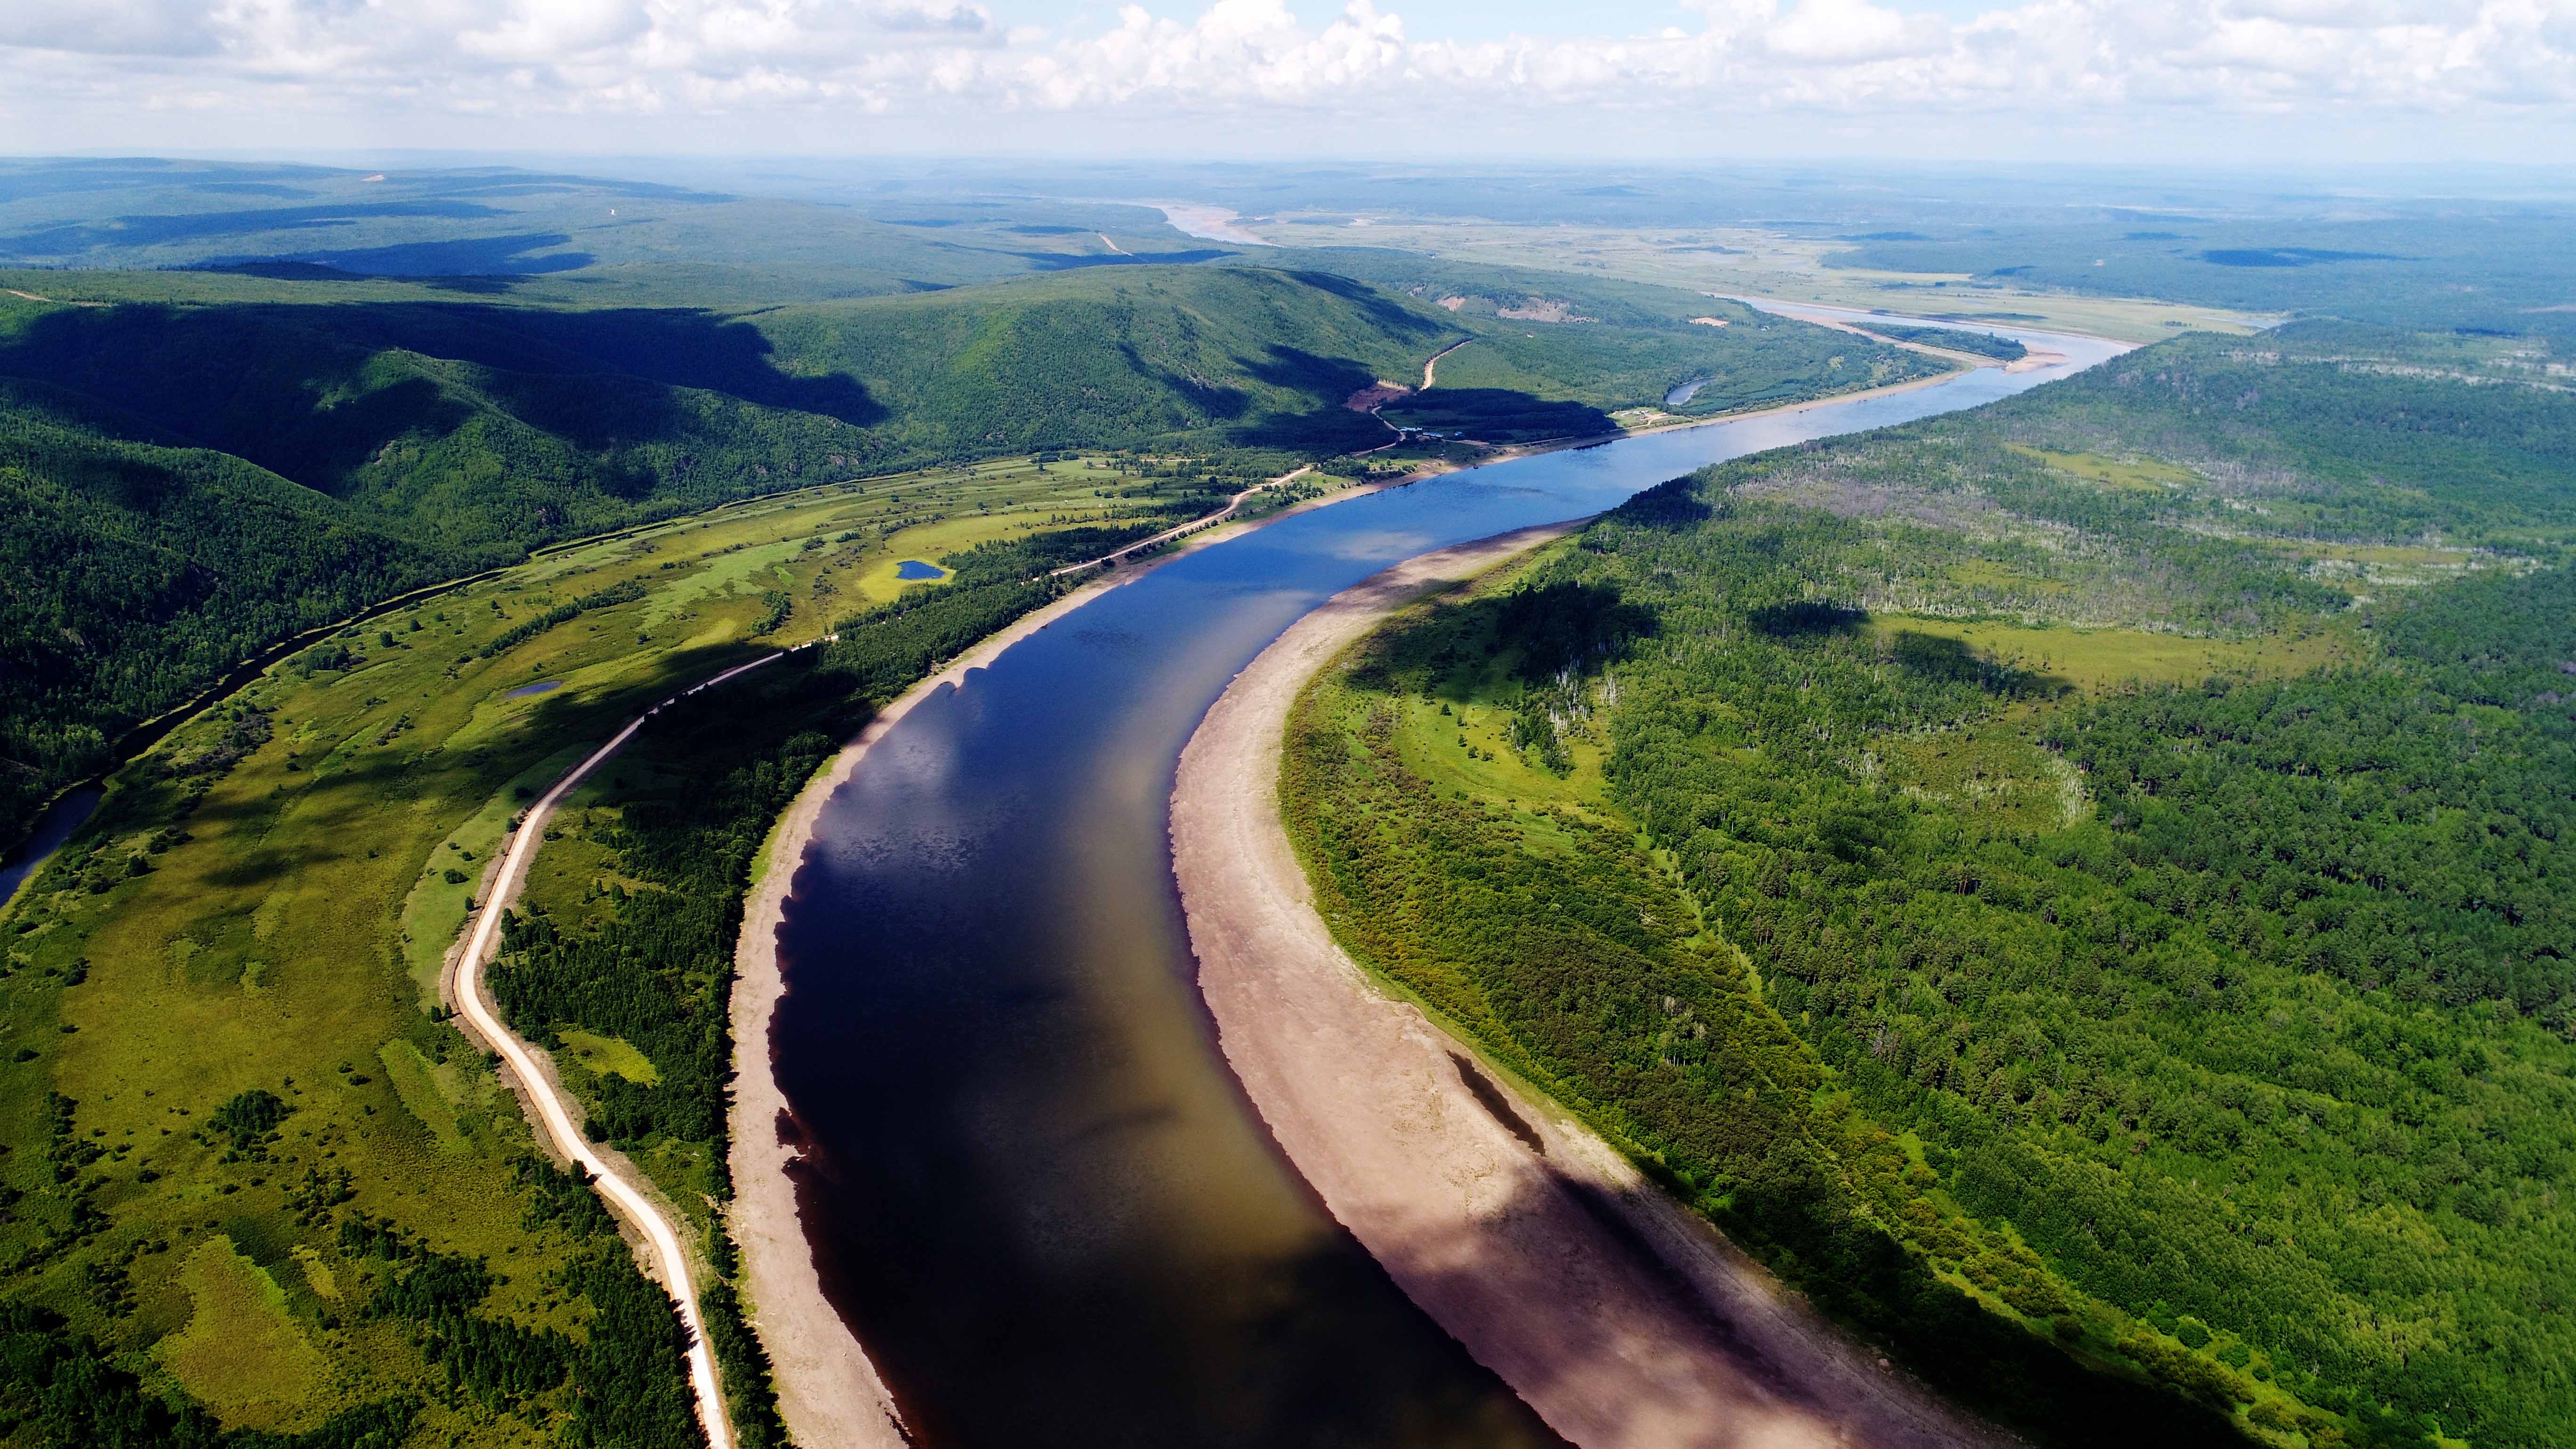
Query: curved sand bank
point(1620, 1316)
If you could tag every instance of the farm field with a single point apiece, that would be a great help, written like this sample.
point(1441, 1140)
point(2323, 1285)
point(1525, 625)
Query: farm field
point(1756, 262)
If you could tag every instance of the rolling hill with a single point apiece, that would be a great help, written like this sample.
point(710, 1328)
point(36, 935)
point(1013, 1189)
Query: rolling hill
point(212, 462)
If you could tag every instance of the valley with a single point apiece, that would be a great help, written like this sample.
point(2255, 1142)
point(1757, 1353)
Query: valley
point(1392, 806)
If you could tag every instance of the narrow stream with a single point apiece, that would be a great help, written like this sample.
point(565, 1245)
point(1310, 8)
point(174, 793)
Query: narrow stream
point(55, 826)
point(1036, 1193)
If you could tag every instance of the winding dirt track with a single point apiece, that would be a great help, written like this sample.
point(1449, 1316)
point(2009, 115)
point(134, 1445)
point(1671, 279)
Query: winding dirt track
point(1622, 1318)
point(1232, 507)
point(471, 994)
point(1431, 364)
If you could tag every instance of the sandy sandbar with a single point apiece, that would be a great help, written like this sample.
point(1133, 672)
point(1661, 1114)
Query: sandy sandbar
point(1619, 1315)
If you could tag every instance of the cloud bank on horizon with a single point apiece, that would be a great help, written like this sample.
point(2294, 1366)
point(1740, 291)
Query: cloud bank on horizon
point(461, 72)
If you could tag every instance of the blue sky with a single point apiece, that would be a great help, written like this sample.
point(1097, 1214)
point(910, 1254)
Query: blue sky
point(1456, 19)
point(2191, 81)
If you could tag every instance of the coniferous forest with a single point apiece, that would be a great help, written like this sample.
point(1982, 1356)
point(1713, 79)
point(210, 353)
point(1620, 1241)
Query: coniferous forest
point(2068, 1015)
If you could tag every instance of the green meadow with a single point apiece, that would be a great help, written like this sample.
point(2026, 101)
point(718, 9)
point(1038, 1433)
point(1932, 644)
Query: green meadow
point(260, 913)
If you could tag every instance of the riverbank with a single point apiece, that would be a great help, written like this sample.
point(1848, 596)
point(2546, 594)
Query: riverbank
point(1617, 1314)
point(1506, 452)
point(829, 1392)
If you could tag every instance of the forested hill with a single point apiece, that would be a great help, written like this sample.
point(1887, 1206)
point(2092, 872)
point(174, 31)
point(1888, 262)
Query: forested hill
point(140, 569)
point(188, 483)
point(2185, 998)
point(206, 463)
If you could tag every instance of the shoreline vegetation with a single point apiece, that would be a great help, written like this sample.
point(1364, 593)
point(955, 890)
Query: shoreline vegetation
point(531, 1071)
point(1478, 1199)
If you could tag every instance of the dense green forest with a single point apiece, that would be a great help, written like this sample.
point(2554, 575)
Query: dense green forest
point(2204, 1017)
point(1984, 344)
point(202, 474)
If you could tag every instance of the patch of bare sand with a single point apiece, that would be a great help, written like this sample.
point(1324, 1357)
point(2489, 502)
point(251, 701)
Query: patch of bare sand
point(1621, 1317)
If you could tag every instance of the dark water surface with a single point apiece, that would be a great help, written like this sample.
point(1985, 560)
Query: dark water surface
point(1037, 1194)
point(60, 819)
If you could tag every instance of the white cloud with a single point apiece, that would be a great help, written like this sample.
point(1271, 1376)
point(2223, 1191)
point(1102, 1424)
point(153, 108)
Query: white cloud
point(1251, 58)
point(112, 27)
point(1848, 31)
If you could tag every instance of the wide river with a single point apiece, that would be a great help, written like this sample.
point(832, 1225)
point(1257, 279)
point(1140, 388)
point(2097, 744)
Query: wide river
point(1037, 1195)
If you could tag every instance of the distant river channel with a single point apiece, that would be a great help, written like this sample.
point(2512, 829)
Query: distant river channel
point(1036, 1193)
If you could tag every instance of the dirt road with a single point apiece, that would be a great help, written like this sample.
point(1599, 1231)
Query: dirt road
point(468, 991)
point(1232, 507)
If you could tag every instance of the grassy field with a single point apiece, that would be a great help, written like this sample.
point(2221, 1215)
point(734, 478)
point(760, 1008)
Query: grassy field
point(1747, 261)
point(2093, 659)
point(262, 904)
point(2139, 474)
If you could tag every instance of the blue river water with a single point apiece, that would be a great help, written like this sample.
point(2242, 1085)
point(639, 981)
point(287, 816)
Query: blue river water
point(1033, 1189)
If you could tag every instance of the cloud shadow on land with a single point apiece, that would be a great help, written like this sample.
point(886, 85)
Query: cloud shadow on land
point(313, 391)
point(520, 254)
point(1497, 415)
point(67, 240)
point(1382, 309)
point(1491, 414)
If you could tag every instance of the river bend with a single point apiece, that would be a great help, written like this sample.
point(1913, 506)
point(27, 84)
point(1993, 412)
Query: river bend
point(1035, 1192)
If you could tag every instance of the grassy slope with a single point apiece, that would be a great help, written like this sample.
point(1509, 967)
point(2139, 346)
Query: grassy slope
point(2106, 508)
point(276, 941)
